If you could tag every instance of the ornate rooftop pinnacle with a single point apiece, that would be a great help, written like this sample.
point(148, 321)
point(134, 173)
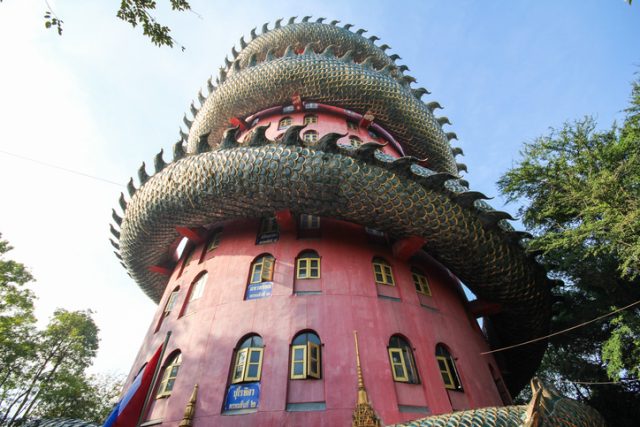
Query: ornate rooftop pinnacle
point(363, 414)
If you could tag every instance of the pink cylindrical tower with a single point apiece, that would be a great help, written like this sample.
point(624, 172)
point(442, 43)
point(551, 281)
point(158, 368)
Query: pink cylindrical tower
point(332, 205)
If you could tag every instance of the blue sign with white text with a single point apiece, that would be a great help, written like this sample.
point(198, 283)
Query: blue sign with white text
point(259, 290)
point(242, 396)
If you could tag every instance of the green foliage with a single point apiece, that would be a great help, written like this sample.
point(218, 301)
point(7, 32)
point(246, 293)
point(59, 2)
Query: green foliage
point(52, 21)
point(138, 12)
point(581, 192)
point(43, 372)
point(89, 398)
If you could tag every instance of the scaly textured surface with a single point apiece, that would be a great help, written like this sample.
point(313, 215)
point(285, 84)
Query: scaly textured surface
point(363, 186)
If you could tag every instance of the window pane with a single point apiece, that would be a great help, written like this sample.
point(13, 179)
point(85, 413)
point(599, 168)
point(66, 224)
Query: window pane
point(257, 273)
point(169, 385)
point(298, 354)
point(254, 357)
point(399, 370)
point(253, 371)
point(298, 368)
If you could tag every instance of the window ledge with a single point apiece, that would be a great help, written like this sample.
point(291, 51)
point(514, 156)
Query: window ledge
point(396, 299)
point(152, 422)
point(307, 293)
point(239, 411)
point(428, 307)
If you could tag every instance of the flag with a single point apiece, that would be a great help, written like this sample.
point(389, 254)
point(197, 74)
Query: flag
point(127, 410)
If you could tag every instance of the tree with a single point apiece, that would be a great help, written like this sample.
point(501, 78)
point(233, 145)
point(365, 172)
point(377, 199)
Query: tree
point(135, 12)
point(580, 194)
point(89, 398)
point(43, 373)
point(17, 323)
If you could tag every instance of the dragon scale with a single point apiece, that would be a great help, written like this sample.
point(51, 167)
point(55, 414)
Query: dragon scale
point(215, 178)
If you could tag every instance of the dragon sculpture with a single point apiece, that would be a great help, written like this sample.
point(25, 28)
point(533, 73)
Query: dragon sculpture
point(215, 177)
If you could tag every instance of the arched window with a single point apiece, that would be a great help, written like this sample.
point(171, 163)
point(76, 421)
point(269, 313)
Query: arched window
point(420, 281)
point(308, 265)
point(310, 119)
point(171, 301)
point(196, 291)
point(447, 367)
point(169, 375)
point(355, 141)
point(310, 136)
point(382, 272)
point(372, 134)
point(248, 360)
point(403, 366)
point(306, 361)
point(262, 269)
point(284, 122)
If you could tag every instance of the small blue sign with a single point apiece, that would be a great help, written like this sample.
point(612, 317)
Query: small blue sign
point(259, 290)
point(242, 396)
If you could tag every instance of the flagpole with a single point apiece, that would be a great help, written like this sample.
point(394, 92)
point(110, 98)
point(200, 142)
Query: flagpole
point(153, 380)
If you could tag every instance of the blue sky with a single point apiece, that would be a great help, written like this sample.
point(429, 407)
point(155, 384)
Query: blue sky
point(101, 99)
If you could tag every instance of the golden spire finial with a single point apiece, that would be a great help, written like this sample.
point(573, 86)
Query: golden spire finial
point(363, 415)
point(190, 410)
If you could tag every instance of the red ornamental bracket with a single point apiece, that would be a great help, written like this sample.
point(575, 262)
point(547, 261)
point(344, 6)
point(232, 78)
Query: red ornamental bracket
point(239, 123)
point(195, 235)
point(296, 100)
point(366, 120)
point(285, 220)
point(404, 249)
point(165, 271)
point(481, 308)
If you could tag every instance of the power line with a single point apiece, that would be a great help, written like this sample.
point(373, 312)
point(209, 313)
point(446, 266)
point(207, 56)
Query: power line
point(562, 331)
point(86, 175)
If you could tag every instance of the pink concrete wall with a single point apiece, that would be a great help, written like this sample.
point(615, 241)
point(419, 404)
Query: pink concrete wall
point(326, 123)
point(348, 301)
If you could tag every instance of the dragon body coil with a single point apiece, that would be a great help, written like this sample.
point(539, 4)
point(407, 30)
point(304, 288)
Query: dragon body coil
point(215, 178)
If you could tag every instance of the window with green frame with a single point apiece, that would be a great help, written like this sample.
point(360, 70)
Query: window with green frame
point(262, 269)
point(420, 281)
point(382, 272)
point(248, 360)
point(448, 369)
point(306, 360)
point(169, 375)
point(403, 367)
point(308, 265)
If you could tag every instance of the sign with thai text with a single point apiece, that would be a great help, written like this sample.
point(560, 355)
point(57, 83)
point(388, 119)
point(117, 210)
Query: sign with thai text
point(259, 290)
point(242, 396)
